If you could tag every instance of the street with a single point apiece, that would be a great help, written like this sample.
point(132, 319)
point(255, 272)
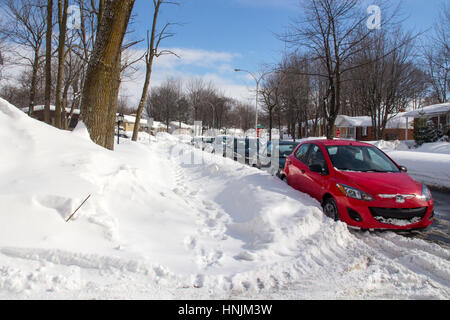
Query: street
point(439, 231)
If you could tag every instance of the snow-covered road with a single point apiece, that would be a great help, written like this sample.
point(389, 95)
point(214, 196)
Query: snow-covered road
point(158, 227)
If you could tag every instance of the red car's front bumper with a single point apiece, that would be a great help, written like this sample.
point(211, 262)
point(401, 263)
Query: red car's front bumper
point(386, 213)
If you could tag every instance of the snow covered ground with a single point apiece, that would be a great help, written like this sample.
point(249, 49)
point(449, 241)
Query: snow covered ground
point(158, 227)
point(429, 164)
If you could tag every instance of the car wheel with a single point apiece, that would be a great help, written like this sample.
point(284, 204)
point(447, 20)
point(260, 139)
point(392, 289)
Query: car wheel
point(330, 209)
point(285, 180)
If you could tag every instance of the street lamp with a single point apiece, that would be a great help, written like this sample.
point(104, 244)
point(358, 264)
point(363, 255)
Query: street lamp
point(120, 119)
point(257, 80)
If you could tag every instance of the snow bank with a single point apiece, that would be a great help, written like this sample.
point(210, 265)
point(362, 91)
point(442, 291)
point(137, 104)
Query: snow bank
point(431, 169)
point(429, 164)
point(436, 147)
point(159, 227)
point(391, 145)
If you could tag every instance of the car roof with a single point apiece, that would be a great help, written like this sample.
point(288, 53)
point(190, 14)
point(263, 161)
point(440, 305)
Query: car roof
point(328, 143)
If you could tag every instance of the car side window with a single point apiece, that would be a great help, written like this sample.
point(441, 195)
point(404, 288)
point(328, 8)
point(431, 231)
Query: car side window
point(316, 157)
point(302, 152)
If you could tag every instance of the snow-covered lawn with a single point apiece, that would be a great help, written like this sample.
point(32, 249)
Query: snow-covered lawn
point(158, 227)
point(429, 164)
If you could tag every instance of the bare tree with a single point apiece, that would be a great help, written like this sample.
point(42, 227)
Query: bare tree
point(199, 96)
point(153, 41)
point(330, 31)
point(101, 87)
point(63, 6)
point(26, 27)
point(48, 61)
point(437, 56)
point(2, 59)
point(295, 92)
point(271, 94)
point(386, 78)
point(163, 101)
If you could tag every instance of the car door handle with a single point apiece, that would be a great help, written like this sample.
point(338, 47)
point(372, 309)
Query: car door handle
point(303, 171)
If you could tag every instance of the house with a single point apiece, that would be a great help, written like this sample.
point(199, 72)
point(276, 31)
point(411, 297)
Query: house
point(130, 120)
point(438, 113)
point(156, 126)
point(180, 128)
point(38, 113)
point(361, 128)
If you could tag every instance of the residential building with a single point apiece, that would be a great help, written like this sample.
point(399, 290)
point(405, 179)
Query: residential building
point(38, 113)
point(438, 113)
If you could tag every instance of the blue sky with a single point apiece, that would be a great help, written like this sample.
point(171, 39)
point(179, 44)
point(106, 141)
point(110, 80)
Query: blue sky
point(217, 36)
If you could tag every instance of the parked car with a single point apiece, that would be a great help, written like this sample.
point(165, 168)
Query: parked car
point(360, 185)
point(240, 146)
point(249, 150)
point(203, 142)
point(284, 149)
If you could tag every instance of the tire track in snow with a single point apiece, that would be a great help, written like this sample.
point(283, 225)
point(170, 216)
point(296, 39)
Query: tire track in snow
point(417, 256)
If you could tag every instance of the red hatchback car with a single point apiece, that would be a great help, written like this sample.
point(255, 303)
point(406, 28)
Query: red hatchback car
point(360, 185)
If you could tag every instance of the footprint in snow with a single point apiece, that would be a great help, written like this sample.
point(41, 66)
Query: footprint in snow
point(245, 255)
point(208, 205)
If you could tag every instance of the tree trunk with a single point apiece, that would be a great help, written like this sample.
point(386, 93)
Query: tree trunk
point(48, 61)
point(62, 21)
point(34, 81)
point(152, 47)
point(100, 92)
point(142, 101)
point(270, 123)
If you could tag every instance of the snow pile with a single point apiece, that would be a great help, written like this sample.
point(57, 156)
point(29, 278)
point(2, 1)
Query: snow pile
point(397, 121)
point(168, 221)
point(387, 146)
point(432, 169)
point(429, 164)
point(436, 147)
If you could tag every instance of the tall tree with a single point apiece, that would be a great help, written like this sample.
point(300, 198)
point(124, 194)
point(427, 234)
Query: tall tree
point(437, 56)
point(48, 61)
point(26, 27)
point(101, 87)
point(153, 41)
point(271, 94)
point(385, 79)
point(63, 6)
point(329, 30)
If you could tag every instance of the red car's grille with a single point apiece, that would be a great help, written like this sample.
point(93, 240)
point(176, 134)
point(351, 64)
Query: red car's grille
point(398, 213)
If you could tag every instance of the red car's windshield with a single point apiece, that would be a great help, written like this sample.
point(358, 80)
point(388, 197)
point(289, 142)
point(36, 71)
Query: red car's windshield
point(361, 159)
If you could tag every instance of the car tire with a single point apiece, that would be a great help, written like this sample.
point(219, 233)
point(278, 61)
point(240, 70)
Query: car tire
point(285, 180)
point(330, 209)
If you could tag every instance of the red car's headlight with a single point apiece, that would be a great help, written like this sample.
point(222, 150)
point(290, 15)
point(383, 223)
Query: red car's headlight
point(354, 193)
point(426, 194)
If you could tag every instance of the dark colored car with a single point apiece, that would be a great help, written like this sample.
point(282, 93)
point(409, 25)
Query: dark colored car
point(360, 185)
point(247, 150)
point(284, 149)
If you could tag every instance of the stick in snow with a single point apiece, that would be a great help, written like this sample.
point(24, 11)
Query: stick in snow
point(78, 208)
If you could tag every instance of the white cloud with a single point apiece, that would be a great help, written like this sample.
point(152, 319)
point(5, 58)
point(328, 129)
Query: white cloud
point(212, 66)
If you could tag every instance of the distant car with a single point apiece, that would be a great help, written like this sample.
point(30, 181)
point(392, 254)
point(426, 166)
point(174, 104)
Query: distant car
point(203, 142)
point(248, 150)
point(284, 149)
point(360, 185)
